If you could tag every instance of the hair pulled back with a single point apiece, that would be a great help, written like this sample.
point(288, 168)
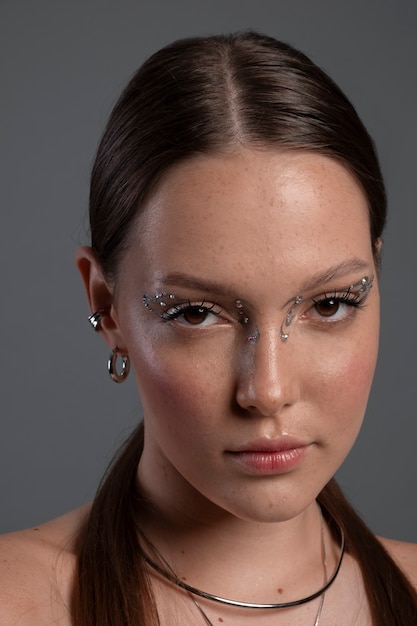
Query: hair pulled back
point(209, 96)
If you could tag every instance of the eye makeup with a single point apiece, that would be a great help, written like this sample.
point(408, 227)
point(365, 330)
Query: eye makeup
point(169, 307)
point(244, 319)
point(159, 303)
point(194, 313)
point(353, 295)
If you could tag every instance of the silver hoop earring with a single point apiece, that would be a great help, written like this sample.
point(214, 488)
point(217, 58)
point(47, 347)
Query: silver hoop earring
point(112, 366)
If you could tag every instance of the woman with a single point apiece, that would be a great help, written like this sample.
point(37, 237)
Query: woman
point(237, 209)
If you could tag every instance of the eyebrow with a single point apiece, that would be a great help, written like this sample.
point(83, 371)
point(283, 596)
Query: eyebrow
point(335, 272)
point(178, 279)
point(339, 271)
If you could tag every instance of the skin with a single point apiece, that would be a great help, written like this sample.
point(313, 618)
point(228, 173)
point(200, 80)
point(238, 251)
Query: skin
point(205, 389)
point(263, 226)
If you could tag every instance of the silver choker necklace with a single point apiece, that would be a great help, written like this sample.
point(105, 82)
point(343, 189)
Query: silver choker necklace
point(169, 574)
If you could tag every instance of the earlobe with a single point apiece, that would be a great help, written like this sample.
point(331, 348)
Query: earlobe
point(99, 295)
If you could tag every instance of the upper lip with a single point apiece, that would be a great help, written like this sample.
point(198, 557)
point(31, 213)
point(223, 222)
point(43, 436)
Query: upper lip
point(280, 444)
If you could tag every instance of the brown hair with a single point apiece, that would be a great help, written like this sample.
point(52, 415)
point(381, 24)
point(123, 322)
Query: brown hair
point(195, 96)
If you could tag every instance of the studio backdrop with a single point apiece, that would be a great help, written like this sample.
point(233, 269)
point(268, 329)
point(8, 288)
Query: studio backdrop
point(63, 66)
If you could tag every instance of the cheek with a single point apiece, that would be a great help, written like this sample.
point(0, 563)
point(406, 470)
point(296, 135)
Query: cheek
point(345, 381)
point(182, 389)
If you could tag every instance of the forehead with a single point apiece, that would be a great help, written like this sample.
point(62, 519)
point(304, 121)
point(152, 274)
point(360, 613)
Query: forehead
point(253, 211)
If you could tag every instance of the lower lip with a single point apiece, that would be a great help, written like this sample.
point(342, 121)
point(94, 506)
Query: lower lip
point(269, 463)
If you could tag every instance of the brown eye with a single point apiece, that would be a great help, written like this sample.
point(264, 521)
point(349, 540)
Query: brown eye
point(195, 315)
point(328, 307)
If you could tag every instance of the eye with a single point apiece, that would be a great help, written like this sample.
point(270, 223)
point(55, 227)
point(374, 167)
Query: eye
point(330, 307)
point(335, 307)
point(193, 314)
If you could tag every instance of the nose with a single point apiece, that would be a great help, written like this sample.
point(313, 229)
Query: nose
point(267, 381)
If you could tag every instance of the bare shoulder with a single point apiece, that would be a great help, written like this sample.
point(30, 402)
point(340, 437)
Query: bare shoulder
point(405, 555)
point(36, 571)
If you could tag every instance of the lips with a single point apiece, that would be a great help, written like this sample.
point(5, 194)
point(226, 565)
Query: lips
point(270, 457)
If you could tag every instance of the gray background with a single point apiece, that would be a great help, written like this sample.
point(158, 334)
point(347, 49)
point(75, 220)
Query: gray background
point(63, 63)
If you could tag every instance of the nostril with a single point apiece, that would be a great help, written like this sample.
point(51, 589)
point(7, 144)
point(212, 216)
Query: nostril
point(262, 400)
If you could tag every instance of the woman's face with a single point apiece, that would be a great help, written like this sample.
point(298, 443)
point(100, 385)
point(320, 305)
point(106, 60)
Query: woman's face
point(255, 344)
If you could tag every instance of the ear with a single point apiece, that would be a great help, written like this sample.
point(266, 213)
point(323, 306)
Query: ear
point(378, 253)
point(100, 296)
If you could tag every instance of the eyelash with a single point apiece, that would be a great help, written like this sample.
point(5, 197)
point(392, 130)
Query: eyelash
point(356, 301)
point(180, 309)
point(352, 300)
point(202, 313)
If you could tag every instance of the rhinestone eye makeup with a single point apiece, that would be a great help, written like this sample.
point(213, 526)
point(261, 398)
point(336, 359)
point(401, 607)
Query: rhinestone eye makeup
point(359, 291)
point(166, 306)
point(289, 317)
point(244, 319)
point(159, 302)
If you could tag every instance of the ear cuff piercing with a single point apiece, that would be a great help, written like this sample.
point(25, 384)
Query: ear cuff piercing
point(95, 319)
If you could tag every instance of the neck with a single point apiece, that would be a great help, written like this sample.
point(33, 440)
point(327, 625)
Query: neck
point(243, 559)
